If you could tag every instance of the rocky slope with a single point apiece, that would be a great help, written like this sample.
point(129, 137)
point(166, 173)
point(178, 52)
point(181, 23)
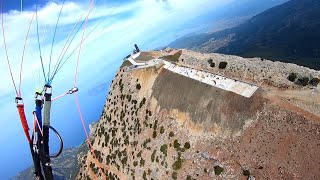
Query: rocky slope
point(160, 125)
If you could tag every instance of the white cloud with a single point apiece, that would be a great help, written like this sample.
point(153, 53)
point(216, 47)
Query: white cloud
point(147, 18)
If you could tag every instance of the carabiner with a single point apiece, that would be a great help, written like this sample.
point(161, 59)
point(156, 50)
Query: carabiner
point(73, 90)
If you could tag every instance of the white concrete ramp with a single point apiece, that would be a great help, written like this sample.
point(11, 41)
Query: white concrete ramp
point(147, 64)
point(238, 87)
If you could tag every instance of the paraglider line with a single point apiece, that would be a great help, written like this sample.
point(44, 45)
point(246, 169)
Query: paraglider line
point(5, 46)
point(77, 47)
point(54, 35)
point(68, 38)
point(60, 60)
point(76, 97)
point(87, 135)
point(103, 19)
point(82, 39)
point(24, 48)
point(39, 46)
point(37, 121)
point(58, 67)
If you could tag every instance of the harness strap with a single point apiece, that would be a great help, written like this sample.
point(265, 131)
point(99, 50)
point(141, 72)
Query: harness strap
point(23, 118)
point(36, 160)
point(38, 111)
point(44, 155)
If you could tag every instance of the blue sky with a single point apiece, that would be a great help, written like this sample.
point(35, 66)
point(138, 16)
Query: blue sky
point(148, 23)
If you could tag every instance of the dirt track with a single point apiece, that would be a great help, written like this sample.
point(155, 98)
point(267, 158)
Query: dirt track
point(279, 98)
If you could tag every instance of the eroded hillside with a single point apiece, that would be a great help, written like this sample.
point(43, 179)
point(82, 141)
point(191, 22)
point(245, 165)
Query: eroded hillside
point(161, 125)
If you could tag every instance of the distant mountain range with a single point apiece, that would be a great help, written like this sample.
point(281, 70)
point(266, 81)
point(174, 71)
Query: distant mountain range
point(289, 32)
point(229, 15)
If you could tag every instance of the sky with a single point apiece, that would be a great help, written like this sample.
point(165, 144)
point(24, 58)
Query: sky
point(149, 23)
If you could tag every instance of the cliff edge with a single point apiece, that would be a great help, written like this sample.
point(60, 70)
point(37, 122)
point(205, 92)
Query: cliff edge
point(157, 124)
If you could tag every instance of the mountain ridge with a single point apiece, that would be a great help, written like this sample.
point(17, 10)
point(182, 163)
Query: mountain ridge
point(288, 33)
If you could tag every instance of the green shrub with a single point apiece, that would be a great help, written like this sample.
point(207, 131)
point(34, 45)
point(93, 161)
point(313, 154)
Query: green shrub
point(135, 163)
point(153, 155)
point(303, 81)
point(142, 102)
point(223, 65)
point(171, 134)
point(212, 64)
point(218, 170)
point(246, 172)
point(292, 77)
point(161, 130)
point(178, 164)
point(163, 149)
point(144, 175)
point(139, 154)
point(187, 145)
point(314, 82)
point(210, 61)
point(142, 161)
point(154, 134)
point(176, 144)
point(174, 175)
point(138, 86)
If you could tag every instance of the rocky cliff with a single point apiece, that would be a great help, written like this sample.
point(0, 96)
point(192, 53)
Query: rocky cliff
point(161, 125)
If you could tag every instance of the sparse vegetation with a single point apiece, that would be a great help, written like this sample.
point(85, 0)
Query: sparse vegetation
point(139, 154)
point(176, 144)
point(171, 134)
point(161, 130)
point(154, 134)
point(153, 155)
point(138, 86)
point(144, 175)
point(135, 163)
point(223, 65)
point(246, 172)
point(211, 63)
point(292, 77)
point(142, 102)
point(218, 170)
point(163, 149)
point(174, 175)
point(178, 164)
point(187, 145)
point(303, 81)
point(314, 82)
point(142, 161)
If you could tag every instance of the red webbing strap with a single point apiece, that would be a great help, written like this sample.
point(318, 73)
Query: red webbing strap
point(24, 122)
